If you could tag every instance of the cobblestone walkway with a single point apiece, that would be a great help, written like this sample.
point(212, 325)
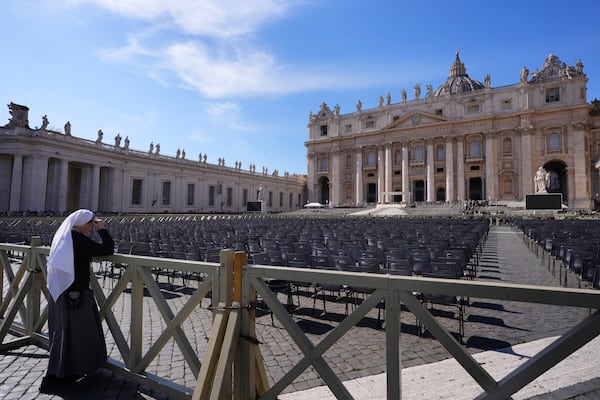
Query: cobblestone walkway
point(360, 353)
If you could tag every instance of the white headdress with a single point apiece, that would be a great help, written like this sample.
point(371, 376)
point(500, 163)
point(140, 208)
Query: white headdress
point(60, 265)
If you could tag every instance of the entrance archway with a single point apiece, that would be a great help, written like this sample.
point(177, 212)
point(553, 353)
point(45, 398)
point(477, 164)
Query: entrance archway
point(323, 197)
point(440, 194)
point(371, 192)
point(419, 190)
point(556, 181)
point(475, 188)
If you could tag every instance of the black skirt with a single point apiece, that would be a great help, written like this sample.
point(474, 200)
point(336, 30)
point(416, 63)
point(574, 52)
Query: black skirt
point(77, 345)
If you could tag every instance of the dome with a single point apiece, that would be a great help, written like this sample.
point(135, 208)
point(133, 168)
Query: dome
point(458, 81)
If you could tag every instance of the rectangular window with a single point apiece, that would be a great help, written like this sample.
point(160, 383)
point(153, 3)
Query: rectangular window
point(440, 154)
point(291, 200)
point(191, 191)
point(323, 130)
point(166, 193)
point(554, 142)
point(229, 197)
point(398, 158)
point(552, 95)
point(136, 192)
point(211, 195)
point(439, 111)
point(270, 199)
point(472, 108)
point(280, 199)
point(370, 124)
point(348, 128)
point(244, 197)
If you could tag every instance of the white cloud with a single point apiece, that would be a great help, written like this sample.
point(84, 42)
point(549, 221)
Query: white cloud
point(213, 52)
point(222, 72)
point(214, 18)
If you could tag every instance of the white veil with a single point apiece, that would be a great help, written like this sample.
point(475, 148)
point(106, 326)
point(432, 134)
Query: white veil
point(60, 265)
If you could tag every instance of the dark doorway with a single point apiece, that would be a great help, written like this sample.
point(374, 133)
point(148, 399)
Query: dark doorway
point(324, 190)
point(419, 190)
point(440, 194)
point(556, 179)
point(371, 192)
point(476, 188)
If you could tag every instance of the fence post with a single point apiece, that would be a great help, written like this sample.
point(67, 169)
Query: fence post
point(35, 292)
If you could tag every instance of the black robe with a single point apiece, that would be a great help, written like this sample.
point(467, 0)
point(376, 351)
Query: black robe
point(77, 345)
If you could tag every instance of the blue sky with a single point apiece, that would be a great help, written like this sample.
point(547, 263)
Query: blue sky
point(237, 79)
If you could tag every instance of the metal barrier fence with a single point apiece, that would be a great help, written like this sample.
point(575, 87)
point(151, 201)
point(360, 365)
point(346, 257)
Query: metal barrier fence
point(232, 366)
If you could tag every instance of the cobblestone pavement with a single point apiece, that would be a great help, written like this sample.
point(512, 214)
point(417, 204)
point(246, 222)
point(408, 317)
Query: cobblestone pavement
point(361, 352)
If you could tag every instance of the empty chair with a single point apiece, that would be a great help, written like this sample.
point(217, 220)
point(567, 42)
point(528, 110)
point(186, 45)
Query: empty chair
point(420, 261)
point(431, 299)
point(398, 267)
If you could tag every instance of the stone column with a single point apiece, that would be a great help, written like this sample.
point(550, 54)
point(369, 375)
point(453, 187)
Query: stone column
point(16, 183)
point(406, 195)
point(359, 177)
point(95, 194)
point(460, 169)
point(39, 179)
point(388, 172)
point(430, 172)
point(579, 197)
point(310, 176)
point(525, 149)
point(336, 180)
point(63, 177)
point(380, 174)
point(450, 185)
point(491, 165)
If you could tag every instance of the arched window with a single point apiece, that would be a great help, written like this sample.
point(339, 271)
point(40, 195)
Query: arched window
point(418, 153)
point(475, 148)
point(554, 142)
point(372, 159)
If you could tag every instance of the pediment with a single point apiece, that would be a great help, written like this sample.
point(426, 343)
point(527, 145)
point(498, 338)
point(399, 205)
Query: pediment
point(416, 118)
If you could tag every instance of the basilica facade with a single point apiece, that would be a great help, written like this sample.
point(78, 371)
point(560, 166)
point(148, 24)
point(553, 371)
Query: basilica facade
point(464, 140)
point(46, 171)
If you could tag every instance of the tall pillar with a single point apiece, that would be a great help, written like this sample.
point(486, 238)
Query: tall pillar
point(336, 180)
point(39, 179)
point(359, 177)
point(16, 183)
point(388, 172)
point(491, 165)
point(527, 183)
point(95, 187)
point(450, 184)
point(63, 177)
point(460, 169)
point(406, 195)
point(380, 174)
point(579, 196)
point(430, 172)
point(311, 183)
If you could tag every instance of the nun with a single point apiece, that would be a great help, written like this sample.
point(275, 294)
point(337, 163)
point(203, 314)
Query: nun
point(76, 337)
